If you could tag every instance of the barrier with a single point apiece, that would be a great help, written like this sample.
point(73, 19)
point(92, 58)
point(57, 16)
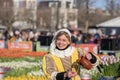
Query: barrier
point(38, 46)
point(45, 40)
point(2, 44)
point(89, 47)
point(20, 45)
point(110, 45)
point(28, 46)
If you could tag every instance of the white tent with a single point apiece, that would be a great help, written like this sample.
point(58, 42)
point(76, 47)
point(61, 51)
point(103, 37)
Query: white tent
point(110, 27)
point(110, 23)
point(3, 27)
point(20, 25)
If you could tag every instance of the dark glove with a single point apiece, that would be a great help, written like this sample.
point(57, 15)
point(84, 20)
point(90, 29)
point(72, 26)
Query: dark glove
point(94, 59)
point(60, 76)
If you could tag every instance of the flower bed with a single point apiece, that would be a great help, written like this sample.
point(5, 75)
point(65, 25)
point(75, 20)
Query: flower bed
point(19, 53)
point(26, 77)
point(26, 68)
point(21, 65)
point(109, 66)
point(25, 65)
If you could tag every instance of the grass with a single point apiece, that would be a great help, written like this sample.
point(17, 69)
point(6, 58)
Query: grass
point(23, 71)
point(27, 58)
point(116, 54)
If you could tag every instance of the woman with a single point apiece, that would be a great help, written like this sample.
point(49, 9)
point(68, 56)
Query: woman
point(57, 65)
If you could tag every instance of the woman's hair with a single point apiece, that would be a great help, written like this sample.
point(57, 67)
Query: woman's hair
point(63, 33)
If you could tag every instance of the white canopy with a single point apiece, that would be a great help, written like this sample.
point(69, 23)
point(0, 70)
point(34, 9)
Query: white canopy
point(3, 27)
point(110, 23)
point(20, 25)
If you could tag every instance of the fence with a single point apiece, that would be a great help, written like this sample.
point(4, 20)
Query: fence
point(36, 46)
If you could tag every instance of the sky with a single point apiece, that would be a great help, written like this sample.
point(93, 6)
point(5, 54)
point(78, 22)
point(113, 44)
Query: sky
point(102, 3)
point(99, 4)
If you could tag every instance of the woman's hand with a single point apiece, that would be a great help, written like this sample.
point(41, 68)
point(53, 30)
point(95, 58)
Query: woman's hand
point(71, 74)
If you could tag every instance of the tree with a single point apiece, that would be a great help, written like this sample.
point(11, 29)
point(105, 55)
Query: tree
point(44, 17)
point(6, 12)
point(84, 7)
point(113, 6)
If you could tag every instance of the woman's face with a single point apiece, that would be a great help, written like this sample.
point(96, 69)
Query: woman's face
point(62, 42)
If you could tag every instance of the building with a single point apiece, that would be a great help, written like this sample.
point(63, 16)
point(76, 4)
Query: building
point(6, 12)
point(25, 13)
point(60, 14)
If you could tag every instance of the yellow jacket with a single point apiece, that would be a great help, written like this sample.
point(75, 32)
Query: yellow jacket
point(59, 65)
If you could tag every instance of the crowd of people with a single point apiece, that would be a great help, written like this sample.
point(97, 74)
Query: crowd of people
point(32, 35)
point(19, 35)
point(16, 35)
point(77, 36)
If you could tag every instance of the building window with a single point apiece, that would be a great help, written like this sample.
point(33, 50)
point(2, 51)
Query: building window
point(71, 16)
point(6, 4)
point(31, 5)
point(67, 4)
point(75, 3)
point(22, 4)
point(16, 4)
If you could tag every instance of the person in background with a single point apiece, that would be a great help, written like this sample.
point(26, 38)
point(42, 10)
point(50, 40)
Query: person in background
point(31, 36)
point(58, 63)
point(24, 35)
point(18, 36)
point(74, 36)
point(97, 38)
point(12, 36)
point(2, 37)
point(90, 39)
point(80, 38)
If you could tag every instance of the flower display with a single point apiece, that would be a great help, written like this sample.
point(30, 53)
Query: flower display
point(19, 53)
point(29, 67)
point(109, 66)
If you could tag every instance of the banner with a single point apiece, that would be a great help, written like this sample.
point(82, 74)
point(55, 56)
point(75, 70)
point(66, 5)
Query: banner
point(38, 46)
point(2, 44)
point(20, 45)
point(89, 47)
